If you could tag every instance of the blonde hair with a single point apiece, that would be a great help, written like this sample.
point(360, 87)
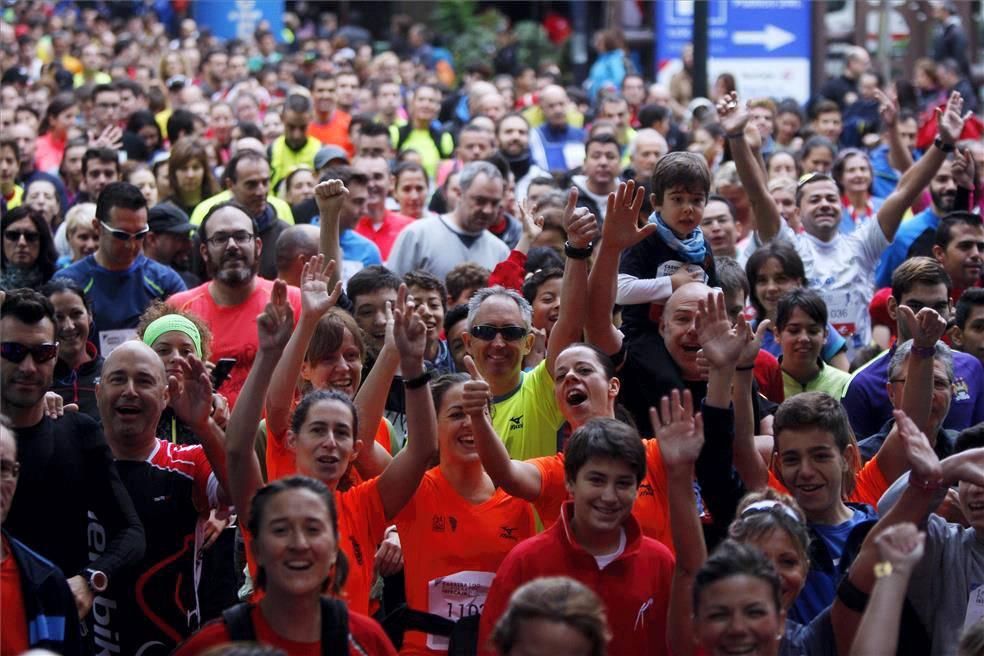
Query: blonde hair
point(80, 216)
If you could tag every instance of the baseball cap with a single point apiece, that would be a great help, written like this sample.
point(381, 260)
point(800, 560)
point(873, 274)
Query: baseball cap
point(326, 154)
point(168, 217)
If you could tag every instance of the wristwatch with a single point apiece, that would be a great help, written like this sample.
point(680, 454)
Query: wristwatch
point(945, 147)
point(98, 581)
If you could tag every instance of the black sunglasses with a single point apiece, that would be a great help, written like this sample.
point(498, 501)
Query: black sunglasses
point(16, 352)
point(488, 333)
point(15, 236)
point(123, 235)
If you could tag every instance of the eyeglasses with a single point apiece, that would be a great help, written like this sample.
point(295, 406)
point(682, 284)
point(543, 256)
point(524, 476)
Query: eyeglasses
point(488, 333)
point(16, 352)
point(222, 238)
point(123, 235)
point(9, 469)
point(16, 235)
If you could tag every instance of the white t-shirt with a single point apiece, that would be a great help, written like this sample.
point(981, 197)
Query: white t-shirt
point(607, 559)
point(842, 270)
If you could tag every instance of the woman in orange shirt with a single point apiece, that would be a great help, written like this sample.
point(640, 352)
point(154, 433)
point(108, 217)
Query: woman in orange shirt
point(323, 435)
point(296, 549)
point(457, 528)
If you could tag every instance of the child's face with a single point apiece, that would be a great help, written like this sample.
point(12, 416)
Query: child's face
point(682, 209)
point(972, 504)
point(829, 125)
point(433, 312)
point(812, 468)
point(603, 492)
point(802, 338)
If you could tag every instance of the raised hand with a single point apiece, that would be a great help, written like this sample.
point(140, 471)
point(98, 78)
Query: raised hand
point(964, 169)
point(926, 328)
point(621, 229)
point(680, 432)
point(532, 225)
point(476, 395)
point(731, 114)
point(902, 545)
point(315, 299)
point(722, 345)
point(191, 397)
point(329, 196)
point(752, 347)
point(888, 108)
point(276, 323)
point(579, 223)
point(950, 121)
point(410, 335)
point(925, 465)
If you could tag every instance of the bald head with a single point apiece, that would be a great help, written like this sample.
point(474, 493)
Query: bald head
point(247, 143)
point(132, 394)
point(294, 246)
point(134, 349)
point(553, 102)
point(686, 294)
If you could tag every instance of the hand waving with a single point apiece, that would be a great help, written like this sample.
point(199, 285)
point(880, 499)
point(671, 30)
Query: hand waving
point(532, 225)
point(315, 299)
point(902, 545)
point(731, 114)
point(924, 463)
point(951, 120)
point(888, 108)
point(477, 394)
point(721, 344)
point(329, 196)
point(410, 335)
point(679, 430)
point(752, 347)
point(926, 328)
point(579, 223)
point(964, 169)
point(191, 397)
point(621, 229)
point(276, 322)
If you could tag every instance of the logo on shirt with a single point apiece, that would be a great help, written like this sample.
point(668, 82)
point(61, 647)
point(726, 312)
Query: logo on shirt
point(646, 490)
point(961, 391)
point(516, 423)
point(506, 533)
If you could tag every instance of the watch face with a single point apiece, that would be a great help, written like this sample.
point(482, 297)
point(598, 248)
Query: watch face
point(98, 581)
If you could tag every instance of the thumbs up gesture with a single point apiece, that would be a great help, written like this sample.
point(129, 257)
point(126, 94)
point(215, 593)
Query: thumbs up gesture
point(476, 396)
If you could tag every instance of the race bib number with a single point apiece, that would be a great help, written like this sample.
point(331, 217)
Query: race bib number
point(975, 607)
point(110, 339)
point(455, 596)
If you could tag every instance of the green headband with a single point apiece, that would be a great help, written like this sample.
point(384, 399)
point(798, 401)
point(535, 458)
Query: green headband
point(173, 322)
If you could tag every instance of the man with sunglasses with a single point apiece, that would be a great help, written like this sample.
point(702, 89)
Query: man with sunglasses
point(499, 335)
point(841, 267)
point(66, 473)
point(120, 282)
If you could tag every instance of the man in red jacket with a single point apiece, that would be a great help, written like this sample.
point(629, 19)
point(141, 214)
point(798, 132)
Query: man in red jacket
point(598, 542)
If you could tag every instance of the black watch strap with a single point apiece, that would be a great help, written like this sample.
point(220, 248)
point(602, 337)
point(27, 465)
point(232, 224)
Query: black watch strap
point(945, 147)
point(419, 381)
point(852, 596)
point(576, 253)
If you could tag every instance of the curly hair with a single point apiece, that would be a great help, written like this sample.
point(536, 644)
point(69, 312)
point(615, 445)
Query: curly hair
point(159, 309)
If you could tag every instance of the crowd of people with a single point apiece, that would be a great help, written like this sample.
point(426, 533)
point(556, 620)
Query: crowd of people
point(310, 347)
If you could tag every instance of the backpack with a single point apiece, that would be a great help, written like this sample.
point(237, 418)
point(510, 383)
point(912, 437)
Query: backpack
point(334, 625)
point(436, 135)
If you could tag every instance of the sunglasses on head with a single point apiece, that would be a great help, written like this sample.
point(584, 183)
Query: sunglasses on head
point(15, 352)
point(16, 235)
point(123, 235)
point(807, 178)
point(488, 333)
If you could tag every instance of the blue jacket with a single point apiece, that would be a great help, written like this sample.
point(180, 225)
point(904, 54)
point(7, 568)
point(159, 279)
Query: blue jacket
point(52, 619)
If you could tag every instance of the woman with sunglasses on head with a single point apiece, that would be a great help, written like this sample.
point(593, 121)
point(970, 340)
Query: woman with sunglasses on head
point(79, 363)
point(324, 434)
point(301, 568)
point(852, 172)
point(28, 256)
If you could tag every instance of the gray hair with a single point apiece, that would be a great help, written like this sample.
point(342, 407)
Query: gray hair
point(472, 170)
point(647, 132)
point(897, 363)
point(479, 297)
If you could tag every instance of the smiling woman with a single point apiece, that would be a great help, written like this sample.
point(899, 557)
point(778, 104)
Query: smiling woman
point(79, 363)
point(28, 256)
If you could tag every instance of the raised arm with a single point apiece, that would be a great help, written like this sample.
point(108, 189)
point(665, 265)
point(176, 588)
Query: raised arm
point(899, 157)
point(515, 477)
point(315, 303)
point(274, 327)
point(950, 124)
point(401, 477)
point(620, 231)
point(900, 547)
point(681, 438)
point(582, 230)
point(329, 195)
point(917, 396)
point(749, 464)
point(191, 400)
point(733, 118)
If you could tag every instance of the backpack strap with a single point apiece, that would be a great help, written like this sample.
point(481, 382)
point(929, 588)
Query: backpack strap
point(239, 623)
point(334, 627)
point(403, 133)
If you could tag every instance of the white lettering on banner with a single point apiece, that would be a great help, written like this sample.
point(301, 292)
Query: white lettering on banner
point(455, 596)
point(110, 339)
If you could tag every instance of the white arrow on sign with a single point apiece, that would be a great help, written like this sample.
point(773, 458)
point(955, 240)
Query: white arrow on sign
point(771, 37)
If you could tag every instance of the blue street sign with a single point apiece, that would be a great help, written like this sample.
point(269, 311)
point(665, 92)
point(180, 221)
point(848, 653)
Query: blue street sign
point(764, 43)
